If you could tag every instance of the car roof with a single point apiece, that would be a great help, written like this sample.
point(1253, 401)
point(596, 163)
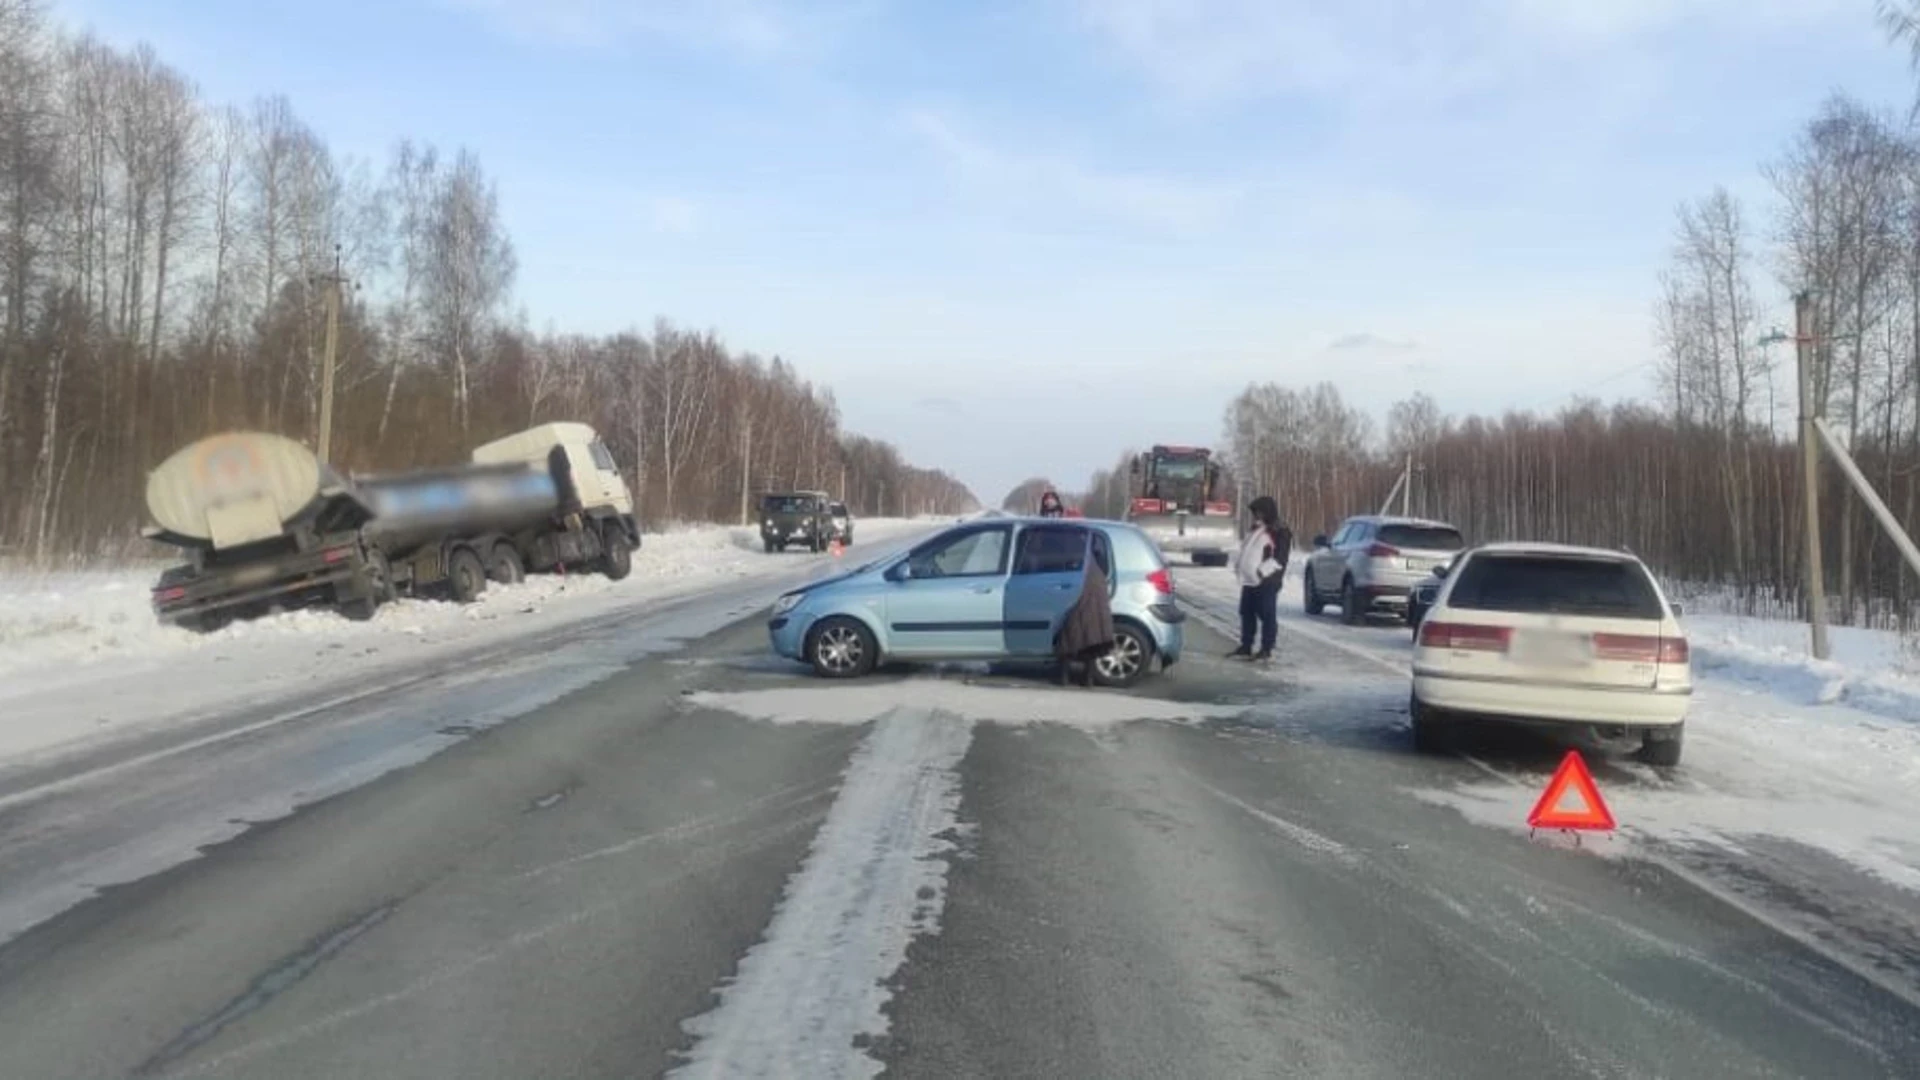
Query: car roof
point(1530, 547)
point(1390, 519)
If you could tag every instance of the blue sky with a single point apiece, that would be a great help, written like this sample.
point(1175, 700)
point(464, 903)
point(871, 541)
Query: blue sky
point(1016, 237)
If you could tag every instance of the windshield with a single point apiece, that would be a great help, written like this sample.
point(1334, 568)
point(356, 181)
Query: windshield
point(1179, 469)
point(790, 504)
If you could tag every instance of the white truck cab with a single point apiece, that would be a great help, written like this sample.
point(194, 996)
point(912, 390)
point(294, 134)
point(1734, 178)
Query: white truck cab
point(596, 478)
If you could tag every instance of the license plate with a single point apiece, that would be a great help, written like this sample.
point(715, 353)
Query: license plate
point(1420, 564)
point(1547, 648)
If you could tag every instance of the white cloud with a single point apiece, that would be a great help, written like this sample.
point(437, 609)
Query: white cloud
point(1052, 181)
point(1387, 51)
point(672, 214)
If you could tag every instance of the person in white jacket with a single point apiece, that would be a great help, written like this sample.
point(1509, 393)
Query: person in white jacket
point(1261, 566)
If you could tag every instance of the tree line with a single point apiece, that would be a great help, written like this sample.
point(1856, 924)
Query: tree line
point(164, 265)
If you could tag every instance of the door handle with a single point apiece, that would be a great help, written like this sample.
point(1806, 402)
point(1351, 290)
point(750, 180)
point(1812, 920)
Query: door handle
point(1063, 586)
point(983, 588)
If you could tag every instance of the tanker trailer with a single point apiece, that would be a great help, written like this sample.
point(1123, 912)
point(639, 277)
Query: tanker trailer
point(262, 524)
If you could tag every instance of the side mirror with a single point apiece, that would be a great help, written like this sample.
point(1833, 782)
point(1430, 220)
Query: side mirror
point(1678, 611)
point(1134, 466)
point(900, 571)
point(1442, 570)
point(1320, 541)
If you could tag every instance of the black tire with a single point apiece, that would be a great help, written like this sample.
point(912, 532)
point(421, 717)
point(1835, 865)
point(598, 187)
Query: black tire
point(1129, 661)
point(1432, 730)
point(841, 648)
point(466, 575)
point(208, 622)
point(1664, 751)
point(504, 566)
point(771, 546)
point(1312, 602)
point(1350, 611)
point(617, 562)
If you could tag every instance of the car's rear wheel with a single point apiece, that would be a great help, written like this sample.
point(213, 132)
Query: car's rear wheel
point(1350, 611)
point(1432, 730)
point(841, 648)
point(1127, 662)
point(1662, 748)
point(1312, 600)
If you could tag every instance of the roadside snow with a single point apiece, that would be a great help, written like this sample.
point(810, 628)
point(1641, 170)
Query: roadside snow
point(1779, 747)
point(82, 657)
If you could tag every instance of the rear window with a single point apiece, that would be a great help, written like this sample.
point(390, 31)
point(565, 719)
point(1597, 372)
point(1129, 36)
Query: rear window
point(1555, 585)
point(1135, 553)
point(1422, 537)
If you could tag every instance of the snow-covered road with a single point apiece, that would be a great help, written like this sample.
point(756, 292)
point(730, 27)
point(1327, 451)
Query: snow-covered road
point(684, 855)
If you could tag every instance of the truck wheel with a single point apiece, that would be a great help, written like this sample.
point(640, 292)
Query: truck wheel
point(617, 563)
point(841, 648)
point(466, 575)
point(771, 546)
point(1313, 603)
point(504, 566)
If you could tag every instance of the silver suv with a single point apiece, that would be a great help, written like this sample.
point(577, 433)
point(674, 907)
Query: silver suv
point(1374, 561)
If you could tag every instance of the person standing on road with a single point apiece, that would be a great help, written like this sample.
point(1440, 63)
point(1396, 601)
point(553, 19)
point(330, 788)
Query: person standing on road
point(1261, 566)
point(1087, 633)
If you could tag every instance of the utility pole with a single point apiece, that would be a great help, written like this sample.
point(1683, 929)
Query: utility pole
point(333, 283)
point(1810, 472)
point(746, 471)
point(1406, 486)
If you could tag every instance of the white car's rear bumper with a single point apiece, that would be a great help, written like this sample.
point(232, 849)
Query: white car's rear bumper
point(1553, 704)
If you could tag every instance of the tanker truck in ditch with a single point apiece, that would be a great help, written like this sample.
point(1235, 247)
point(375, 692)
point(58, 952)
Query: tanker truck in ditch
point(1178, 500)
point(264, 525)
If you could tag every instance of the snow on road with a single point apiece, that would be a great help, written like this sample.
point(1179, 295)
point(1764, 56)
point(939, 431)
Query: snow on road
point(1825, 755)
point(82, 658)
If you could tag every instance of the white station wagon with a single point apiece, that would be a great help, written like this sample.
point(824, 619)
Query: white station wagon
point(1555, 635)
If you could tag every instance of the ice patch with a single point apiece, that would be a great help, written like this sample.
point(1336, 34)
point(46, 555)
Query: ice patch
point(866, 702)
point(810, 995)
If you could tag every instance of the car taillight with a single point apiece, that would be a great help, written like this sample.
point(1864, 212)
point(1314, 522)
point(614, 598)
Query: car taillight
point(1382, 551)
point(168, 596)
point(1465, 636)
point(334, 555)
point(1162, 581)
point(1640, 648)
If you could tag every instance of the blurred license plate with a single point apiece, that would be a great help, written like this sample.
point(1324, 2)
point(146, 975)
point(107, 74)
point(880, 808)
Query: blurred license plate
point(1548, 648)
point(253, 575)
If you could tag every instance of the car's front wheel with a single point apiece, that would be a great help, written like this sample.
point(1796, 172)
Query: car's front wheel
point(1312, 602)
point(1127, 662)
point(841, 648)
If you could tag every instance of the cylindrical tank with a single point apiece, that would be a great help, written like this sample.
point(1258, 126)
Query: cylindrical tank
point(235, 488)
point(412, 509)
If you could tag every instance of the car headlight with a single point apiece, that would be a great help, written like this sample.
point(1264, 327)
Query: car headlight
point(788, 603)
point(768, 523)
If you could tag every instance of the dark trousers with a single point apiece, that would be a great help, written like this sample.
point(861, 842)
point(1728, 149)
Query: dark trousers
point(1260, 604)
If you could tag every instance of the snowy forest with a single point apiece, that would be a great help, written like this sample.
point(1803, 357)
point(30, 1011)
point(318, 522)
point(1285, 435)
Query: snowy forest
point(163, 268)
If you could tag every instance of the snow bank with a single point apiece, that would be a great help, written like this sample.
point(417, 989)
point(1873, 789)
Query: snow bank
point(81, 655)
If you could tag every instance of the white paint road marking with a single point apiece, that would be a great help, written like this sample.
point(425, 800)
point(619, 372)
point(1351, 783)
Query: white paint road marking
point(1293, 831)
point(872, 881)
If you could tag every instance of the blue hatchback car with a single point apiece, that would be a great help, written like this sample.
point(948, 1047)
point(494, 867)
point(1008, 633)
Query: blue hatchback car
point(995, 589)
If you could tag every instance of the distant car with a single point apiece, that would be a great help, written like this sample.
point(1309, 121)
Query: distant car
point(1553, 635)
point(841, 520)
point(986, 590)
point(795, 517)
point(1374, 561)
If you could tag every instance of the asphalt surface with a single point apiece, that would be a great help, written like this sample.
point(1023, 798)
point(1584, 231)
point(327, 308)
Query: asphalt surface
point(636, 875)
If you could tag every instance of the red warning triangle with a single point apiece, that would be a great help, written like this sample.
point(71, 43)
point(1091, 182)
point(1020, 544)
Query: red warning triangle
point(1571, 800)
